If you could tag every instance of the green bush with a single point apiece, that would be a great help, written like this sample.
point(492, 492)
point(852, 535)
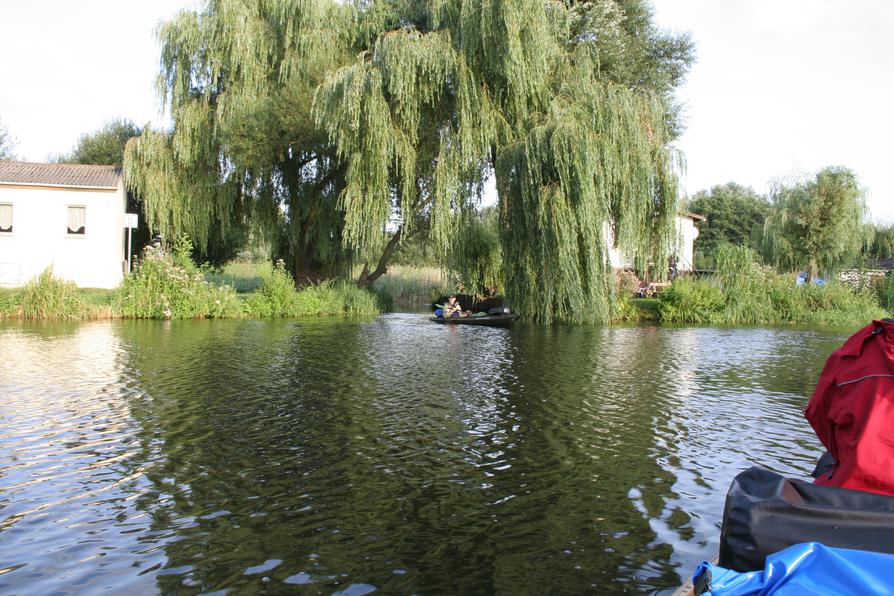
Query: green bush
point(49, 297)
point(164, 286)
point(9, 304)
point(277, 297)
point(690, 300)
point(745, 292)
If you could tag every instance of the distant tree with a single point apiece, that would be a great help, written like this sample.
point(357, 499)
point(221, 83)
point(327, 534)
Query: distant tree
point(734, 214)
point(104, 146)
point(882, 246)
point(817, 224)
point(7, 143)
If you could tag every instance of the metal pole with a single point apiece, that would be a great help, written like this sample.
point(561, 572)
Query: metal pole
point(129, 233)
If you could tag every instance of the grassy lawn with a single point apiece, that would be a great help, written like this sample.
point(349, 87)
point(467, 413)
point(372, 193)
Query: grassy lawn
point(96, 296)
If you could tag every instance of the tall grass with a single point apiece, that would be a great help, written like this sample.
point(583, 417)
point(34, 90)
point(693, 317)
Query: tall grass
point(243, 276)
point(413, 287)
point(49, 297)
point(885, 291)
point(744, 292)
point(277, 297)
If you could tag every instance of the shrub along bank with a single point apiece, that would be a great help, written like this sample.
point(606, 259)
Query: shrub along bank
point(170, 286)
point(742, 291)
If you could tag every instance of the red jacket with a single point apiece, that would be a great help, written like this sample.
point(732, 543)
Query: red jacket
point(852, 410)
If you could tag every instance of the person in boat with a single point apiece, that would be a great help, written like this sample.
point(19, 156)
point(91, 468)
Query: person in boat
point(452, 308)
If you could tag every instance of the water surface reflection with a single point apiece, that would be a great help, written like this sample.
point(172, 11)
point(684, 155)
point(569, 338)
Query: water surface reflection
point(384, 454)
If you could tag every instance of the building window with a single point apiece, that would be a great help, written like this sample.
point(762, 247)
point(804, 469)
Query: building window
point(77, 219)
point(5, 218)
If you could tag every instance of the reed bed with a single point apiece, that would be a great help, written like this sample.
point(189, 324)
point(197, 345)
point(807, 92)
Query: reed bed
point(410, 287)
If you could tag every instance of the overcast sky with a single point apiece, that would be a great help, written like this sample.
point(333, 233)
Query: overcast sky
point(779, 86)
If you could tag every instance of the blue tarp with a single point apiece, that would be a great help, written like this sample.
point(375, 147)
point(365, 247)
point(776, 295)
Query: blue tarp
point(808, 568)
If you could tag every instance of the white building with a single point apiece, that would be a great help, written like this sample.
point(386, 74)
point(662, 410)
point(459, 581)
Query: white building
point(682, 251)
point(64, 215)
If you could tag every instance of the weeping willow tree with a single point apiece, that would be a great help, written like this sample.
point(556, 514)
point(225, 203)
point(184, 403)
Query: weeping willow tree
point(476, 254)
point(818, 224)
point(511, 86)
point(238, 79)
point(354, 122)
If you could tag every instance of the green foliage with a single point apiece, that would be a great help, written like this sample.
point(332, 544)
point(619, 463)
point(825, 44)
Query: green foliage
point(49, 297)
point(278, 297)
point(476, 254)
point(161, 288)
point(819, 224)
point(745, 292)
point(882, 246)
point(885, 292)
point(104, 146)
point(243, 276)
point(9, 304)
point(7, 143)
point(416, 251)
point(348, 116)
point(735, 215)
point(631, 50)
point(691, 300)
point(238, 79)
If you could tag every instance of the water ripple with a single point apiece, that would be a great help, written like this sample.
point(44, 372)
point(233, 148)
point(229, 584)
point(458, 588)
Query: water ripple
point(385, 454)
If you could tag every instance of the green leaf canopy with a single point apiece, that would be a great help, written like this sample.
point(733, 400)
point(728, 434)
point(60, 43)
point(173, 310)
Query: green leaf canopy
point(348, 120)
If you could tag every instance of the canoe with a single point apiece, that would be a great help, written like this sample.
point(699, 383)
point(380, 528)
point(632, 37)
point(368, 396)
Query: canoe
point(488, 321)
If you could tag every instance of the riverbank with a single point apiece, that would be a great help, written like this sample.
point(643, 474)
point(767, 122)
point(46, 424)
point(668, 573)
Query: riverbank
point(163, 288)
point(170, 286)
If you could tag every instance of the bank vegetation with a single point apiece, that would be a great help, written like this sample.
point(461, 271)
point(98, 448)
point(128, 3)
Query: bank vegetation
point(168, 285)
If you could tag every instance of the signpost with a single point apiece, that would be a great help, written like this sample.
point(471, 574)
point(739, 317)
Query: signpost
point(131, 221)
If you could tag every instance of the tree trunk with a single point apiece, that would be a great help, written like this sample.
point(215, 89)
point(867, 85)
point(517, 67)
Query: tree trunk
point(301, 269)
point(366, 278)
point(811, 270)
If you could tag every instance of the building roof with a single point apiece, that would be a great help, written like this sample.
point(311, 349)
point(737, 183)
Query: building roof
point(59, 174)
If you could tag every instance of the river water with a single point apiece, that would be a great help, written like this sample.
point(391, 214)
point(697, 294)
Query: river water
point(389, 454)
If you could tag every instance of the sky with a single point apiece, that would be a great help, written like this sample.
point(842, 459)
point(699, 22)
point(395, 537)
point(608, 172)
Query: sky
point(780, 87)
point(783, 88)
point(69, 66)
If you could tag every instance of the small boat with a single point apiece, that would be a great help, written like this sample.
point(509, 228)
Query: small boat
point(501, 320)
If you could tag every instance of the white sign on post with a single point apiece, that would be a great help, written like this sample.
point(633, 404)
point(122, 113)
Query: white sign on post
point(131, 222)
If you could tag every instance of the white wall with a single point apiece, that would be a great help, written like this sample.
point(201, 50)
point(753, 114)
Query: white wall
point(685, 251)
point(39, 236)
point(682, 246)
